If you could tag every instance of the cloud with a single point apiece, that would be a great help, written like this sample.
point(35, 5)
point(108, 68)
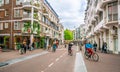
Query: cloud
point(71, 12)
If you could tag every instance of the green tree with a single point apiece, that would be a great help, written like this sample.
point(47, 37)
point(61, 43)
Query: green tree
point(68, 35)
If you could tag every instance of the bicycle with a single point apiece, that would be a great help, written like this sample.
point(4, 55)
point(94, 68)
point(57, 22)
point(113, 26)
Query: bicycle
point(94, 56)
point(70, 52)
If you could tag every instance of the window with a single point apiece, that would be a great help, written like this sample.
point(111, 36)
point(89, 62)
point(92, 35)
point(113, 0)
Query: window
point(6, 1)
point(112, 11)
point(17, 26)
point(6, 13)
point(6, 25)
point(17, 13)
point(1, 2)
point(1, 26)
point(18, 2)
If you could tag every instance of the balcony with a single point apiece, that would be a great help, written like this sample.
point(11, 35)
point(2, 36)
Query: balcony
point(26, 17)
point(99, 26)
point(98, 8)
point(104, 2)
point(29, 5)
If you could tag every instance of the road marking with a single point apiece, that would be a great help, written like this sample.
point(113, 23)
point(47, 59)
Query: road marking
point(57, 59)
point(50, 64)
point(79, 63)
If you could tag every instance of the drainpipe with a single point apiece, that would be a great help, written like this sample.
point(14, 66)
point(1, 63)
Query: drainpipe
point(11, 30)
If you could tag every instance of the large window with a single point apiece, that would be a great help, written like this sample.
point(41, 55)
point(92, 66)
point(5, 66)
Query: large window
point(6, 25)
point(6, 1)
point(1, 26)
point(17, 13)
point(112, 11)
point(1, 2)
point(17, 25)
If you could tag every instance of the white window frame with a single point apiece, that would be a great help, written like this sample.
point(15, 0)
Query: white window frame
point(18, 2)
point(6, 25)
point(1, 2)
point(1, 26)
point(17, 13)
point(17, 25)
point(7, 1)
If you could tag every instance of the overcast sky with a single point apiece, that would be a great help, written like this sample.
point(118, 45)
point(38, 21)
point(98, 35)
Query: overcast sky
point(70, 12)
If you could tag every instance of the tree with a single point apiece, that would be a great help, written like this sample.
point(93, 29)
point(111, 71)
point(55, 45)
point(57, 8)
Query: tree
point(68, 35)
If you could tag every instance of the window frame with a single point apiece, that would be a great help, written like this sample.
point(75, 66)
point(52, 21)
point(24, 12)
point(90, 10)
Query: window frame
point(1, 26)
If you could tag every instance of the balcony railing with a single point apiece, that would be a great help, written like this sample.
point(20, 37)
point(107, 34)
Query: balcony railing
point(26, 15)
point(31, 3)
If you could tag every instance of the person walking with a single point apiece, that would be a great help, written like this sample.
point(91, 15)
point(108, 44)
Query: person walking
point(95, 46)
point(104, 47)
point(54, 46)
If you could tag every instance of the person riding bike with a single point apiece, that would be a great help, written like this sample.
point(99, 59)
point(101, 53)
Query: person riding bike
point(69, 48)
point(88, 48)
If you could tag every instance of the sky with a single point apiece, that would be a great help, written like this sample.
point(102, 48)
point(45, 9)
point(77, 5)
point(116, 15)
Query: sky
point(70, 12)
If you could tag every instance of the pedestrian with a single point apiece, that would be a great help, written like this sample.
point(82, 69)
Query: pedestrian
point(28, 44)
point(24, 46)
point(32, 46)
point(65, 45)
point(54, 46)
point(95, 46)
point(104, 47)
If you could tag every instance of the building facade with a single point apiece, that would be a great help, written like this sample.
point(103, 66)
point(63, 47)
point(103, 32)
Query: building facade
point(103, 23)
point(33, 20)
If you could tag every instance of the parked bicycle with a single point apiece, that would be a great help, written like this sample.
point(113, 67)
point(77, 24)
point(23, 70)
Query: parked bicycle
point(94, 56)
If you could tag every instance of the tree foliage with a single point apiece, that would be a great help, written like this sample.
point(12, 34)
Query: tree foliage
point(68, 35)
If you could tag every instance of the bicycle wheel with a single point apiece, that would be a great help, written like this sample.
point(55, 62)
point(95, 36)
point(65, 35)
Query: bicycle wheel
point(95, 57)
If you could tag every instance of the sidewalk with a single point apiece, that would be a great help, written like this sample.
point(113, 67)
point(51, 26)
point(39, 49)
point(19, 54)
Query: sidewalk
point(12, 54)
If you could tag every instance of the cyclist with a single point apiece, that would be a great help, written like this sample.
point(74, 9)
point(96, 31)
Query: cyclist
point(69, 48)
point(88, 47)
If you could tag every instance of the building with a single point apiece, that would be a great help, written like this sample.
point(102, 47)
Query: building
point(80, 33)
point(103, 23)
point(33, 20)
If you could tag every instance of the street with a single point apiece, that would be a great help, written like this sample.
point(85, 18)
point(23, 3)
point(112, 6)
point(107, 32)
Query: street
point(60, 61)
